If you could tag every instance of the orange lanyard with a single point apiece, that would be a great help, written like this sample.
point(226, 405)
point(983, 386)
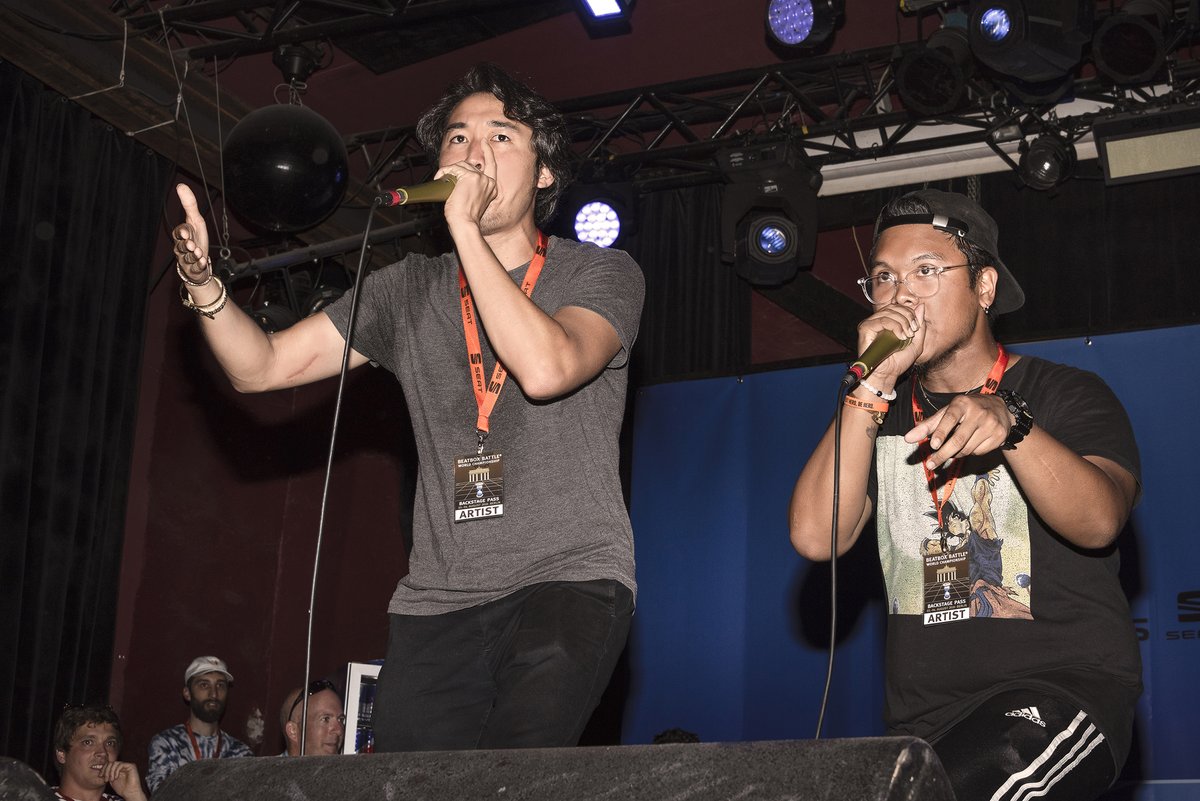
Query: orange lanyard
point(487, 394)
point(196, 745)
point(989, 387)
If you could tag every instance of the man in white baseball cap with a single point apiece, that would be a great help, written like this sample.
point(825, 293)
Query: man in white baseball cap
point(206, 684)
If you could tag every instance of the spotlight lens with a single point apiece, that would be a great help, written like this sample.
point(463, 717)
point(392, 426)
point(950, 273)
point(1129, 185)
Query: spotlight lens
point(597, 222)
point(995, 24)
point(604, 8)
point(790, 21)
point(1047, 163)
point(772, 240)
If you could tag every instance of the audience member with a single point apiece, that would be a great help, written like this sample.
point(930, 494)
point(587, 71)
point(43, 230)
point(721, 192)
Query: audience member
point(326, 724)
point(675, 735)
point(87, 740)
point(206, 683)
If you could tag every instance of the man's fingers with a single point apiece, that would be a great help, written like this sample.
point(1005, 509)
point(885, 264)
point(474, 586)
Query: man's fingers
point(191, 209)
point(191, 236)
point(188, 200)
point(489, 159)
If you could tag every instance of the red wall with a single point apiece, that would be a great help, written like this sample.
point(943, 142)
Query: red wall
point(222, 525)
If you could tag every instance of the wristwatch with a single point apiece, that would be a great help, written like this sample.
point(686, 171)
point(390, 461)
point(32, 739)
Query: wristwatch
point(1021, 415)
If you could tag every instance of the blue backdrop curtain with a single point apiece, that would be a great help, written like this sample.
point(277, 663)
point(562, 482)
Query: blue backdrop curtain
point(79, 209)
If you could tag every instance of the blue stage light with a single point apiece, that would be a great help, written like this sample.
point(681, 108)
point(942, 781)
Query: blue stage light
point(995, 24)
point(790, 21)
point(772, 240)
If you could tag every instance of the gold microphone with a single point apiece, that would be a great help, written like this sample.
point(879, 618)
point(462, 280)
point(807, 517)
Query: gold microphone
point(429, 192)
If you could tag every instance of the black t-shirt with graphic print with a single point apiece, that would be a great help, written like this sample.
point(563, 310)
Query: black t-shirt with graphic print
point(1042, 612)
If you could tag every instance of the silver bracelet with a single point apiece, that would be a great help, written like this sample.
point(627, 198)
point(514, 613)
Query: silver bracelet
point(889, 397)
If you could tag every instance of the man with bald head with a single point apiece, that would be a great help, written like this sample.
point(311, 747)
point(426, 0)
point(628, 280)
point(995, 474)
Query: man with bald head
point(325, 726)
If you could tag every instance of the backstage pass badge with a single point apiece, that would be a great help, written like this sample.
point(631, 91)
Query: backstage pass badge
point(947, 584)
point(478, 487)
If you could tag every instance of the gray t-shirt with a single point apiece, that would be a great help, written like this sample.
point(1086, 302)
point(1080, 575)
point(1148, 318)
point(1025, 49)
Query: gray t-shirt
point(564, 514)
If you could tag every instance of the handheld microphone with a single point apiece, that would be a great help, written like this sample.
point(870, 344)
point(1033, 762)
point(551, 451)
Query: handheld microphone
point(429, 192)
point(883, 346)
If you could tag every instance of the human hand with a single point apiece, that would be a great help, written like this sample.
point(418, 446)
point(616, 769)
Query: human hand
point(123, 778)
point(191, 238)
point(475, 187)
point(967, 425)
point(905, 322)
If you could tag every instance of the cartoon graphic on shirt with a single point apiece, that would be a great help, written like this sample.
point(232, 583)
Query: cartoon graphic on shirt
point(984, 516)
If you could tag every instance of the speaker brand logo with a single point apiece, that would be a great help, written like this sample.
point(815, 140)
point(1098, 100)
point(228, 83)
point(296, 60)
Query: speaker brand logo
point(1187, 605)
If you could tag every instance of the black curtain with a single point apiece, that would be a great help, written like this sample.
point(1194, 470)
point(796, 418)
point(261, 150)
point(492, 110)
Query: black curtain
point(696, 319)
point(79, 210)
point(1096, 259)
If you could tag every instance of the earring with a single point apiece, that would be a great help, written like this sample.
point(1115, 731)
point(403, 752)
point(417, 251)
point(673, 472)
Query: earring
point(987, 310)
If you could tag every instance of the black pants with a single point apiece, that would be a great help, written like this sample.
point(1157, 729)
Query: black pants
point(524, 671)
point(1026, 744)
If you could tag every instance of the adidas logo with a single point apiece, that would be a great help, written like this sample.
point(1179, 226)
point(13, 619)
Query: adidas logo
point(1029, 713)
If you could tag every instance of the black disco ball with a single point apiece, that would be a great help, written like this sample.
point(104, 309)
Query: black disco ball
point(286, 168)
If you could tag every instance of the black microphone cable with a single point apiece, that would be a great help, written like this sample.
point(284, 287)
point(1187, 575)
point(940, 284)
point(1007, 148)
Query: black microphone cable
point(833, 535)
point(337, 411)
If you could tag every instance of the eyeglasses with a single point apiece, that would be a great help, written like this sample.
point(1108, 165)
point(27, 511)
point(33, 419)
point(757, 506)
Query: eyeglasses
point(315, 687)
point(922, 282)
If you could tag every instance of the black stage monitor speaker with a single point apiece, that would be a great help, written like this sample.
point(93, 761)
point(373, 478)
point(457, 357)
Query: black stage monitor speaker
point(866, 769)
point(19, 782)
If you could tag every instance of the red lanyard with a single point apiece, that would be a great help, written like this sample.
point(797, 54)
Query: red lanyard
point(487, 395)
point(989, 387)
point(196, 745)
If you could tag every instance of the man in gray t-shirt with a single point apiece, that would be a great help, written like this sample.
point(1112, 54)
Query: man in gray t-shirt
point(513, 353)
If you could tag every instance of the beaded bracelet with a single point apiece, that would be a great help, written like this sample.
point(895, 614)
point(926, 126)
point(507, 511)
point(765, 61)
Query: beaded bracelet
point(877, 409)
point(209, 310)
point(890, 396)
point(183, 276)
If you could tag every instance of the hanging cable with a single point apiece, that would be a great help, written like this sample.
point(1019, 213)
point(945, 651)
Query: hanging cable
point(833, 536)
point(337, 411)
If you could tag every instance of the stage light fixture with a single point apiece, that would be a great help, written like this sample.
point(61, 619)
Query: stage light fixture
point(598, 222)
point(1149, 145)
point(601, 213)
point(933, 79)
point(1047, 161)
point(995, 24)
point(1035, 42)
point(768, 212)
point(604, 9)
point(802, 23)
point(283, 297)
point(605, 17)
point(1129, 46)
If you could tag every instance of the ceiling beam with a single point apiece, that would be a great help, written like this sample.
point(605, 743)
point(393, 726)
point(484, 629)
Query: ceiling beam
point(820, 305)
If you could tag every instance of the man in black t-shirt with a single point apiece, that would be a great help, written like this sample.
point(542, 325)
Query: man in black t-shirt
point(999, 484)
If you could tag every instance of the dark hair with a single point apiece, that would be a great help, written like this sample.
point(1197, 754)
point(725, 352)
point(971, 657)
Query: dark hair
point(551, 144)
point(675, 735)
point(977, 257)
point(75, 716)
